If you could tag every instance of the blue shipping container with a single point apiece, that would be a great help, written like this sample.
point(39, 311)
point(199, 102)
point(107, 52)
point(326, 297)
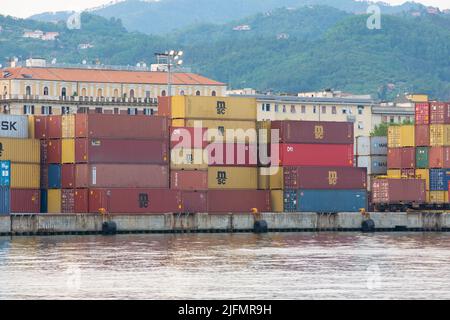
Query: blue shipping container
point(44, 201)
point(290, 200)
point(54, 176)
point(5, 173)
point(331, 200)
point(5, 200)
point(439, 179)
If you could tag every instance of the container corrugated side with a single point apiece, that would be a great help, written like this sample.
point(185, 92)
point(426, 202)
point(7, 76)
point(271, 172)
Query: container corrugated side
point(375, 165)
point(68, 126)
point(54, 151)
point(425, 175)
point(395, 191)
point(238, 201)
point(407, 136)
point(440, 135)
point(188, 159)
point(54, 176)
point(54, 201)
point(25, 176)
point(422, 113)
point(422, 135)
point(329, 201)
point(189, 180)
point(25, 201)
point(195, 201)
point(395, 158)
point(5, 173)
point(68, 151)
point(54, 130)
point(12, 126)
point(439, 113)
point(439, 179)
point(20, 150)
point(394, 137)
point(40, 127)
point(5, 200)
point(439, 157)
point(232, 178)
point(422, 157)
point(333, 155)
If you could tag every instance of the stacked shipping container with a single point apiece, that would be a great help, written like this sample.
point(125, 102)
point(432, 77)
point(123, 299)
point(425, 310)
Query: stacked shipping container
point(371, 153)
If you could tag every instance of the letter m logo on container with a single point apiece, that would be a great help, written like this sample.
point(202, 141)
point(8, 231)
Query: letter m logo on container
point(5, 173)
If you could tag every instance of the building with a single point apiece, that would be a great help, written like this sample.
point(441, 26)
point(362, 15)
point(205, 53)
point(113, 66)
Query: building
point(37, 34)
point(50, 36)
point(61, 90)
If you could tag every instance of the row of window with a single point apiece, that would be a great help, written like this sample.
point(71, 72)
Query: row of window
point(391, 119)
point(48, 110)
point(315, 109)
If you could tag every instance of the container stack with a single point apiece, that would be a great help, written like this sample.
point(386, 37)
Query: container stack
point(20, 166)
point(316, 172)
point(371, 153)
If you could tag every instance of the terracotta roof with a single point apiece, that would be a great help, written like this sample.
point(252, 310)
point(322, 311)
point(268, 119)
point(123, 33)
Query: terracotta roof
point(107, 76)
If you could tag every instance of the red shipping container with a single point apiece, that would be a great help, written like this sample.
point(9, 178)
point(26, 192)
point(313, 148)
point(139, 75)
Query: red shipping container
point(408, 158)
point(189, 180)
point(54, 151)
point(409, 173)
point(135, 200)
point(422, 113)
point(327, 155)
point(324, 178)
point(68, 176)
point(54, 127)
point(188, 137)
point(195, 202)
point(395, 158)
point(232, 154)
point(238, 201)
point(40, 127)
point(422, 135)
point(163, 107)
point(439, 113)
point(121, 126)
point(397, 191)
point(309, 132)
point(121, 176)
point(121, 151)
point(439, 157)
point(25, 201)
point(74, 201)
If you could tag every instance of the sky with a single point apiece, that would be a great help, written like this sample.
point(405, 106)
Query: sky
point(26, 8)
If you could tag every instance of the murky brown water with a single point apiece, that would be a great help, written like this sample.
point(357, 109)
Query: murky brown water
point(227, 266)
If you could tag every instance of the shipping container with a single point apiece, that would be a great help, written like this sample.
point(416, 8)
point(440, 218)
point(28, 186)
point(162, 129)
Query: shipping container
point(54, 127)
point(5, 200)
point(439, 179)
point(312, 132)
point(439, 113)
point(408, 173)
point(44, 151)
point(121, 151)
point(188, 137)
point(223, 130)
point(368, 146)
point(330, 201)
point(408, 160)
point(189, 180)
point(68, 151)
point(437, 197)
point(238, 201)
point(68, 126)
point(277, 200)
point(198, 107)
point(25, 201)
point(394, 173)
point(439, 157)
point(25, 176)
point(232, 178)
point(422, 135)
point(135, 200)
point(68, 176)
point(43, 176)
point(54, 176)
point(121, 126)
point(264, 178)
point(20, 150)
point(440, 135)
point(74, 201)
point(5, 173)
point(54, 151)
point(54, 201)
point(40, 127)
point(407, 136)
point(195, 202)
point(121, 176)
point(422, 157)
point(425, 175)
point(395, 158)
point(396, 191)
point(394, 137)
point(332, 155)
point(375, 165)
point(31, 129)
point(422, 113)
point(232, 154)
point(44, 200)
point(188, 159)
point(12, 126)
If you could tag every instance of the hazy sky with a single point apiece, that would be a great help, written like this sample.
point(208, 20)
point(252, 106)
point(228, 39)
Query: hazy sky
point(25, 8)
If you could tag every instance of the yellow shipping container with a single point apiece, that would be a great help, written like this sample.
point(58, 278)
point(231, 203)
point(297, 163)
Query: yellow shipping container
point(25, 176)
point(276, 179)
point(31, 127)
point(440, 135)
point(407, 136)
point(54, 201)
point(232, 178)
point(394, 174)
point(394, 136)
point(424, 174)
point(68, 151)
point(263, 125)
point(437, 196)
point(20, 150)
point(277, 199)
point(225, 108)
point(188, 159)
point(68, 126)
point(263, 179)
point(240, 131)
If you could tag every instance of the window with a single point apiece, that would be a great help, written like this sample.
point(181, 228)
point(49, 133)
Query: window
point(98, 110)
point(360, 110)
point(333, 110)
point(293, 109)
point(132, 111)
point(344, 111)
point(360, 125)
point(5, 90)
point(116, 110)
point(83, 92)
point(408, 118)
point(148, 111)
point(83, 110)
point(314, 109)
point(65, 110)
point(132, 93)
point(324, 109)
point(197, 93)
point(392, 119)
point(147, 94)
point(28, 91)
point(63, 92)
point(182, 93)
point(27, 109)
point(284, 108)
point(276, 108)
point(45, 91)
point(214, 93)
point(163, 93)
point(99, 93)
point(266, 107)
point(384, 119)
point(303, 109)
point(399, 119)
point(116, 93)
point(46, 110)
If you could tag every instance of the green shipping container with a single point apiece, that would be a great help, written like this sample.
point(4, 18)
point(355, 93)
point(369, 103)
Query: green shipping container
point(422, 158)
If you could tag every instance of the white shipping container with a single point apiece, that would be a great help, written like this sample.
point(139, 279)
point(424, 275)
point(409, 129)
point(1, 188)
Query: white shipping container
point(12, 126)
point(376, 165)
point(368, 146)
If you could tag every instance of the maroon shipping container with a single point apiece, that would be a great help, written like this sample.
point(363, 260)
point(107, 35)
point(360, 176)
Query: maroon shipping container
point(121, 126)
point(68, 176)
point(121, 176)
point(439, 113)
point(408, 158)
point(232, 154)
point(40, 127)
point(422, 135)
point(74, 200)
point(54, 127)
point(238, 201)
point(54, 151)
point(25, 201)
point(135, 200)
point(189, 180)
point(326, 155)
point(439, 157)
point(395, 158)
point(307, 132)
point(409, 173)
point(396, 191)
point(422, 113)
point(324, 178)
point(195, 202)
point(121, 151)
point(188, 137)
point(44, 151)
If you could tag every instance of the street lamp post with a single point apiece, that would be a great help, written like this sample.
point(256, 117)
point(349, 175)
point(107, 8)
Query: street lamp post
point(171, 58)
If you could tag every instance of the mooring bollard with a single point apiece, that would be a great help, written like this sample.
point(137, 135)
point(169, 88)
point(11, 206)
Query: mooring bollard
point(260, 225)
point(368, 225)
